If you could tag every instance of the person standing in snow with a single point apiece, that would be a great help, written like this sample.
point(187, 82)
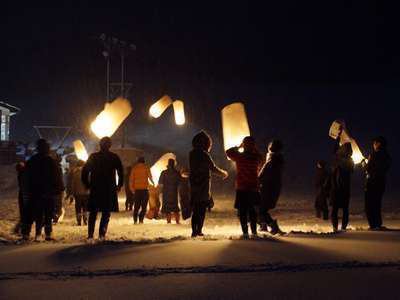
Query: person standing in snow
point(77, 191)
point(139, 185)
point(169, 182)
point(22, 196)
point(128, 193)
point(248, 164)
point(45, 183)
point(98, 175)
point(376, 168)
point(322, 181)
point(342, 170)
point(201, 166)
point(271, 184)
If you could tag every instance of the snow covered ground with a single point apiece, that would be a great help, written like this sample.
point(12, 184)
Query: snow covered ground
point(160, 261)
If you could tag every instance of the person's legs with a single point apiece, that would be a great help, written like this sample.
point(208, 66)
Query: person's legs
point(253, 219)
point(345, 218)
point(195, 220)
point(144, 202)
point(78, 210)
point(177, 217)
point(137, 201)
point(334, 217)
point(105, 218)
point(85, 201)
point(369, 209)
point(202, 216)
point(92, 223)
point(48, 216)
point(243, 211)
point(168, 215)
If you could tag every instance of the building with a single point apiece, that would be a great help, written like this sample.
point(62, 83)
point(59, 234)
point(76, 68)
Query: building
point(6, 111)
point(8, 148)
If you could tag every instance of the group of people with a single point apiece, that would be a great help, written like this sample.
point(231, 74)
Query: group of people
point(333, 184)
point(94, 188)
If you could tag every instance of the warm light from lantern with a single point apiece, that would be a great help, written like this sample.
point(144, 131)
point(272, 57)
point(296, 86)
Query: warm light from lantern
point(80, 150)
point(108, 121)
point(158, 108)
point(234, 125)
point(179, 112)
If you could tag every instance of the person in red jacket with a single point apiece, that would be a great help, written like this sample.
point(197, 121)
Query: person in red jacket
point(248, 164)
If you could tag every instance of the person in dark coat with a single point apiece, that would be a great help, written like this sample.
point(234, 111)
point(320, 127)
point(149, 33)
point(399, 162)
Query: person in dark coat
point(201, 166)
point(184, 195)
point(129, 200)
point(98, 175)
point(342, 169)
point(376, 169)
point(322, 182)
point(59, 211)
point(77, 191)
point(45, 182)
point(169, 182)
point(22, 195)
point(270, 185)
point(248, 165)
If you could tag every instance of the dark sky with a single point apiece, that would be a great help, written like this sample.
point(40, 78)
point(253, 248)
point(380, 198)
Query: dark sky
point(297, 66)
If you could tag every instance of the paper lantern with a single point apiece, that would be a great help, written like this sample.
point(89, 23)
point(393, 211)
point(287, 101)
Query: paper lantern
point(234, 125)
point(158, 108)
point(179, 112)
point(108, 121)
point(160, 166)
point(80, 150)
point(346, 138)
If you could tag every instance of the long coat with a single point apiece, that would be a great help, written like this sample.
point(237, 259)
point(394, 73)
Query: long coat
point(271, 180)
point(201, 165)
point(170, 180)
point(342, 170)
point(376, 169)
point(98, 175)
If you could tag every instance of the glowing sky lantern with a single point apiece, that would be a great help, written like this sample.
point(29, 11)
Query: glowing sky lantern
point(157, 109)
point(80, 150)
point(179, 112)
point(160, 166)
point(234, 124)
point(346, 138)
point(112, 116)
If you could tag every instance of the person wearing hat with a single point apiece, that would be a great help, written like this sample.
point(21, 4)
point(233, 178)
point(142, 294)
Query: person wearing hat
point(376, 169)
point(201, 166)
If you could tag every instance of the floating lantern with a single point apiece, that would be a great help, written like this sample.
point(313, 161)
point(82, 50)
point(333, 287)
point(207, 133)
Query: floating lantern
point(357, 156)
point(80, 150)
point(108, 121)
point(160, 166)
point(158, 108)
point(179, 112)
point(234, 125)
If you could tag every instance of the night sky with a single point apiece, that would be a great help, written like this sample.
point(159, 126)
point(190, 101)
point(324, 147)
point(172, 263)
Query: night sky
point(297, 66)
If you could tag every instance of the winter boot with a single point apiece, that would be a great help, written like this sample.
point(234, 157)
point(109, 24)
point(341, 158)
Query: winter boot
point(177, 218)
point(275, 228)
point(168, 218)
point(264, 227)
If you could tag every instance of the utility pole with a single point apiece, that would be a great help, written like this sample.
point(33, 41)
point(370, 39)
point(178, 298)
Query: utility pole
point(113, 45)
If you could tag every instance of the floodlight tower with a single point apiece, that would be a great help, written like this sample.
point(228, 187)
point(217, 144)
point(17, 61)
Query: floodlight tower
point(113, 45)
